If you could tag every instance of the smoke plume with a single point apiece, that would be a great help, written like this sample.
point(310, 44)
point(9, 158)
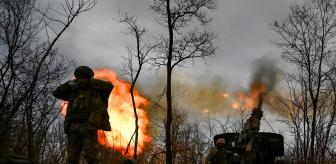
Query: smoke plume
point(208, 94)
point(264, 72)
point(203, 94)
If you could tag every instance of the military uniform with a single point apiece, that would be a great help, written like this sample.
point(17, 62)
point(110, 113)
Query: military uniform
point(217, 155)
point(86, 113)
point(212, 151)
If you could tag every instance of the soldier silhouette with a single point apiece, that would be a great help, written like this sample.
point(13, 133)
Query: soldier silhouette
point(217, 154)
point(86, 113)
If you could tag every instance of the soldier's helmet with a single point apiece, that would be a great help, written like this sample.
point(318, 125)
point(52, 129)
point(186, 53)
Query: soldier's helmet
point(84, 71)
point(220, 141)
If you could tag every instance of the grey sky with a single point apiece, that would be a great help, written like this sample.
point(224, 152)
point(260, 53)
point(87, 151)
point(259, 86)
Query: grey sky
point(95, 39)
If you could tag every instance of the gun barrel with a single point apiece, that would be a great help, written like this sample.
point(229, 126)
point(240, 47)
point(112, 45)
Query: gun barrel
point(260, 100)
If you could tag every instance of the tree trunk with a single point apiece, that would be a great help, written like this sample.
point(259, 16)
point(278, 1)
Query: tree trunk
point(169, 155)
point(313, 133)
point(136, 126)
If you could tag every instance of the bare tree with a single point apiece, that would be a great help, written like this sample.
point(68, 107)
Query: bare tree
point(133, 65)
point(307, 38)
point(30, 68)
point(189, 141)
point(181, 45)
point(54, 145)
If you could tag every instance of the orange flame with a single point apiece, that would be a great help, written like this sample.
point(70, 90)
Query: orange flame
point(122, 116)
point(255, 90)
point(235, 105)
point(247, 100)
point(225, 95)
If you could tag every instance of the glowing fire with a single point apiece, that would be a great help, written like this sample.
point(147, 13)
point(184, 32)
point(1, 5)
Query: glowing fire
point(206, 110)
point(225, 95)
point(122, 116)
point(235, 105)
point(247, 100)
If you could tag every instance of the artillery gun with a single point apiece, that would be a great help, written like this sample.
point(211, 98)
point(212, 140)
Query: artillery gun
point(251, 146)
